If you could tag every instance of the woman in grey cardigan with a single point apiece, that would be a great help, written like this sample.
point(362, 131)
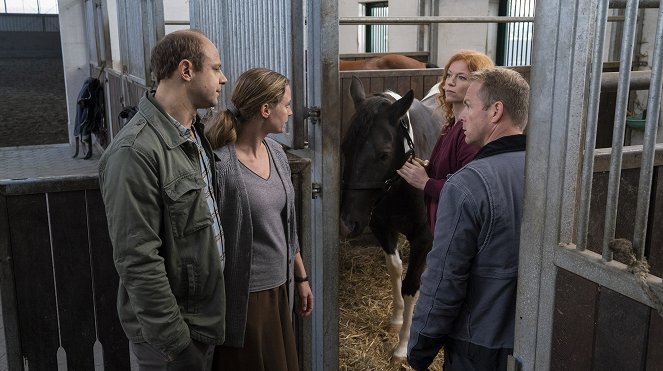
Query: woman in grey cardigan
point(263, 265)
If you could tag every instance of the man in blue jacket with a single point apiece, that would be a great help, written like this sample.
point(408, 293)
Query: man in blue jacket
point(468, 290)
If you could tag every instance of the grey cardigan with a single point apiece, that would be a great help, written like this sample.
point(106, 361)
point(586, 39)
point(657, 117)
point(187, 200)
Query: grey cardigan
point(238, 232)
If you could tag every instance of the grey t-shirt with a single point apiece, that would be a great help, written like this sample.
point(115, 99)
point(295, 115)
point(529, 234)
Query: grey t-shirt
point(267, 203)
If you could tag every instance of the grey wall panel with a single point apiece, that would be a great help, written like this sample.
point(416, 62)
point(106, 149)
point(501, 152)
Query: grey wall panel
point(248, 33)
point(141, 25)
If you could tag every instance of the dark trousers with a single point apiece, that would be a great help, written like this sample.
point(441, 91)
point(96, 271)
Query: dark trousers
point(464, 356)
point(196, 357)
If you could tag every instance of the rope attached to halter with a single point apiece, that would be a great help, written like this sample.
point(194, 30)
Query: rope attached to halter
point(640, 269)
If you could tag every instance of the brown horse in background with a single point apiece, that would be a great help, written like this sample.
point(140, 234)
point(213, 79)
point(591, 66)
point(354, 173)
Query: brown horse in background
point(385, 62)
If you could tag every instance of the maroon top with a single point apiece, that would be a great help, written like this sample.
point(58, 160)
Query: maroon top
point(449, 155)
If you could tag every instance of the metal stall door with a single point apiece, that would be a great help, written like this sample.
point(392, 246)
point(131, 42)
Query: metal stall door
point(287, 36)
point(566, 81)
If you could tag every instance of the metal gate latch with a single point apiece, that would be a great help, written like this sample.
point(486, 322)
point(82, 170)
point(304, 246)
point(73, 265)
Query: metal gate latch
point(316, 190)
point(313, 114)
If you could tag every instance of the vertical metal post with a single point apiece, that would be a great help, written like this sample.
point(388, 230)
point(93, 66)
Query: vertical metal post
point(592, 123)
point(329, 149)
point(626, 57)
point(651, 126)
point(298, 80)
point(433, 35)
point(561, 44)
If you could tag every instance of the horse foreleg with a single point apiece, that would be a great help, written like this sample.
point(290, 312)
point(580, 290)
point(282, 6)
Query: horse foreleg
point(395, 270)
point(400, 352)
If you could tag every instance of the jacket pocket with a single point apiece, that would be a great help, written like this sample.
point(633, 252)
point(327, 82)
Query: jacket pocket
point(187, 204)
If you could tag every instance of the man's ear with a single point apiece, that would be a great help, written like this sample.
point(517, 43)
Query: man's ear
point(496, 112)
point(185, 69)
point(264, 110)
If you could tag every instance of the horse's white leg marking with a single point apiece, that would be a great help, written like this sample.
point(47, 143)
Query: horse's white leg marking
point(400, 352)
point(395, 269)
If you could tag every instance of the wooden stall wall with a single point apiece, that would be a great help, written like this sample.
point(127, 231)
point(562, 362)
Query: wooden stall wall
point(398, 81)
point(596, 328)
point(63, 280)
point(59, 283)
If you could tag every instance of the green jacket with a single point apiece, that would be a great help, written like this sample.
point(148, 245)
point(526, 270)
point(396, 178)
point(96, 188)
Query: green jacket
point(171, 280)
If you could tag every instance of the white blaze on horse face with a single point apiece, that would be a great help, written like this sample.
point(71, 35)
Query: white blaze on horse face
point(409, 127)
point(395, 270)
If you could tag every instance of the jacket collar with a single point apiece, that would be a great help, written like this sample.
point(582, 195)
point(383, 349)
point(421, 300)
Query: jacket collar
point(511, 143)
point(160, 121)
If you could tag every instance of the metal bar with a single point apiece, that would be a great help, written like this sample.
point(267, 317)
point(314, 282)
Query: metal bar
point(617, 4)
point(430, 20)
point(613, 275)
point(631, 157)
point(298, 76)
point(639, 80)
point(592, 123)
point(441, 19)
point(626, 56)
point(177, 23)
point(562, 47)
point(651, 126)
point(327, 144)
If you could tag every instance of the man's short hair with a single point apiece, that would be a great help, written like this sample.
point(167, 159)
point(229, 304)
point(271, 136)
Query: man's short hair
point(507, 86)
point(173, 48)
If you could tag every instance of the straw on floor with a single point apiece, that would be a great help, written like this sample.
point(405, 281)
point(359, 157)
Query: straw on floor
point(365, 305)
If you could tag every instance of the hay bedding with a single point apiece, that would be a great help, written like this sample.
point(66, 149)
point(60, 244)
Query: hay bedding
point(365, 306)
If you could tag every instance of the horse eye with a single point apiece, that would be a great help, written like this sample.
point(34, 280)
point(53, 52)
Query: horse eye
point(384, 156)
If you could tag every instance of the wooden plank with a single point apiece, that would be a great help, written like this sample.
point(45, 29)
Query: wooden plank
point(366, 82)
point(621, 329)
point(606, 120)
point(33, 274)
point(417, 85)
point(377, 84)
point(628, 195)
point(573, 323)
point(105, 283)
point(430, 81)
point(655, 238)
point(655, 343)
point(403, 85)
point(73, 277)
point(391, 83)
point(12, 336)
point(347, 106)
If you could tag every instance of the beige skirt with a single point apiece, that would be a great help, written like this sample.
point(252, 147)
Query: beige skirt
point(269, 340)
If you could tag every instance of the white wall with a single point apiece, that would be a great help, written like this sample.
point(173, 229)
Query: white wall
point(451, 37)
point(348, 37)
point(175, 10)
point(403, 38)
point(477, 36)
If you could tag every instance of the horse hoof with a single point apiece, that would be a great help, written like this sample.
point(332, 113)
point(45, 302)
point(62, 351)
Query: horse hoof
point(395, 328)
point(397, 361)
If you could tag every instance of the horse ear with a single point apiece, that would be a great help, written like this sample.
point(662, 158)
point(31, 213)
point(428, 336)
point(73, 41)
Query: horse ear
point(357, 91)
point(400, 107)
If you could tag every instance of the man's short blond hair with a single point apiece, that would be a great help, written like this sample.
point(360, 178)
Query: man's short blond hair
point(506, 86)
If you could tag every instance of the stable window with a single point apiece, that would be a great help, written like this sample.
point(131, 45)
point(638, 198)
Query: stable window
point(377, 38)
point(514, 40)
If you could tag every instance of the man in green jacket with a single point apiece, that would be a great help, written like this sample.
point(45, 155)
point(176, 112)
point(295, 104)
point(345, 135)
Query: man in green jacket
point(159, 188)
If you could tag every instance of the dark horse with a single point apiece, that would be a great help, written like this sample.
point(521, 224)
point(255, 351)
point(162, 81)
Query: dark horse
point(385, 130)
